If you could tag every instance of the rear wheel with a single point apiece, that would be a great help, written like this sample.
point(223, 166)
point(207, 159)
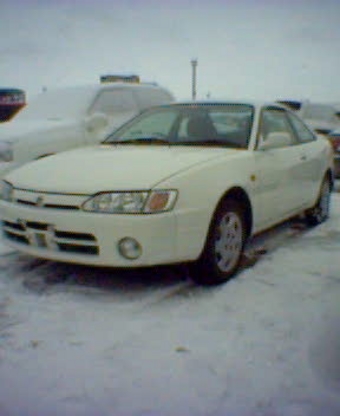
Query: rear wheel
point(224, 246)
point(320, 212)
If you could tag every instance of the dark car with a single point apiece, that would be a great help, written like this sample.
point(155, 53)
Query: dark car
point(11, 101)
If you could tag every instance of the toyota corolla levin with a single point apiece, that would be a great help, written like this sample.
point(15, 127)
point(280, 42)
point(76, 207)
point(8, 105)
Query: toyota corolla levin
point(180, 183)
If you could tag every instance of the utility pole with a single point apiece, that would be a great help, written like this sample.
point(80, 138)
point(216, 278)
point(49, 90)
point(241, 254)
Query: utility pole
point(194, 65)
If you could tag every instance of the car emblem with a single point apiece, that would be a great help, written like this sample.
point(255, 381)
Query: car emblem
point(39, 201)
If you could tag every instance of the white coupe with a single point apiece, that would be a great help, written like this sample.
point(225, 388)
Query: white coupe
point(180, 183)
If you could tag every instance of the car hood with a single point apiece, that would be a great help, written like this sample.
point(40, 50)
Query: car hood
point(13, 130)
point(93, 169)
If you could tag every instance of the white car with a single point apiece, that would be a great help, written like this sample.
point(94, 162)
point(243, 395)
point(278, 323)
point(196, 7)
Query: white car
point(186, 182)
point(69, 117)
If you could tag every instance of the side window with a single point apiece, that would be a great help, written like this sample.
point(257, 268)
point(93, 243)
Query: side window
point(303, 133)
point(112, 101)
point(275, 121)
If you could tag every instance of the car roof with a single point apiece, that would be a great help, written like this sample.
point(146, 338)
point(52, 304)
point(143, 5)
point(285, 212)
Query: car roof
point(88, 91)
point(102, 86)
point(253, 103)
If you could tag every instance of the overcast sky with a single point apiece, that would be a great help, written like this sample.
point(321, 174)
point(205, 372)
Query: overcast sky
point(245, 48)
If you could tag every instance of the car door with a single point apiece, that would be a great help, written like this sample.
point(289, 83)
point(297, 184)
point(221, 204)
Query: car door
point(311, 151)
point(277, 168)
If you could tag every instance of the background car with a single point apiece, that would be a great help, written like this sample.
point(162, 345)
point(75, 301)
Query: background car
point(321, 117)
point(11, 101)
point(64, 118)
point(188, 182)
point(334, 138)
point(293, 105)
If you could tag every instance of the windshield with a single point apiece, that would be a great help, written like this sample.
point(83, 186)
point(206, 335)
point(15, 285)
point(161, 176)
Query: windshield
point(192, 124)
point(58, 104)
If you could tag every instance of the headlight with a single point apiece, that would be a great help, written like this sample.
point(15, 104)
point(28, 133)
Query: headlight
point(136, 202)
point(6, 191)
point(6, 151)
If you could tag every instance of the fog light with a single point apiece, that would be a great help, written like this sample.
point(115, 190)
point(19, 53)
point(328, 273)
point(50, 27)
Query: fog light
point(129, 248)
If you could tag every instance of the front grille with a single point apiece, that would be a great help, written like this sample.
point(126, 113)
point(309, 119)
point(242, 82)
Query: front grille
point(46, 200)
point(23, 202)
point(72, 248)
point(14, 225)
point(36, 225)
point(45, 236)
point(48, 206)
point(74, 236)
point(16, 238)
point(55, 206)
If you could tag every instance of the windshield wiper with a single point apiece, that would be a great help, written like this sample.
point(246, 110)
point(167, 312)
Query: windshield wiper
point(141, 140)
point(207, 142)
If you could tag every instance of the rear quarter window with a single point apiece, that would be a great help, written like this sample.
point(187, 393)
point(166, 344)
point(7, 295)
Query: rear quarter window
point(303, 133)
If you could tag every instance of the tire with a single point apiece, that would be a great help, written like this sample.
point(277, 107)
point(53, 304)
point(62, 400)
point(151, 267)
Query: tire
point(222, 253)
point(320, 212)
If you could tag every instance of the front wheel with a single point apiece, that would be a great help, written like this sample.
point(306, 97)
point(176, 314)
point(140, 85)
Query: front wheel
point(224, 246)
point(320, 212)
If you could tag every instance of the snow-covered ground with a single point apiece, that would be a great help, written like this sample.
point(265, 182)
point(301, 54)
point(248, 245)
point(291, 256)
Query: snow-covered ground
point(79, 341)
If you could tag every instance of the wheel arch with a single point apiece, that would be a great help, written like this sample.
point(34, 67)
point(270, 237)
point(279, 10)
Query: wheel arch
point(205, 269)
point(239, 195)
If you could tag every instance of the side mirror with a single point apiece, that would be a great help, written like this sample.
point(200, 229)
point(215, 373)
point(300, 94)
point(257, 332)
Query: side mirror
point(276, 140)
point(96, 122)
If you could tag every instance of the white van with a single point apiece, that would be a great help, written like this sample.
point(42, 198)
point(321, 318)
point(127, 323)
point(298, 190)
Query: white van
point(64, 118)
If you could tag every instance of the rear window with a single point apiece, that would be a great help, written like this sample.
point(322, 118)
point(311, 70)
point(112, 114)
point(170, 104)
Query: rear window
point(114, 100)
point(149, 97)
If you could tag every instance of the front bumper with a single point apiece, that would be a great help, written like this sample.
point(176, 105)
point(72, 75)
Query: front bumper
point(89, 238)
